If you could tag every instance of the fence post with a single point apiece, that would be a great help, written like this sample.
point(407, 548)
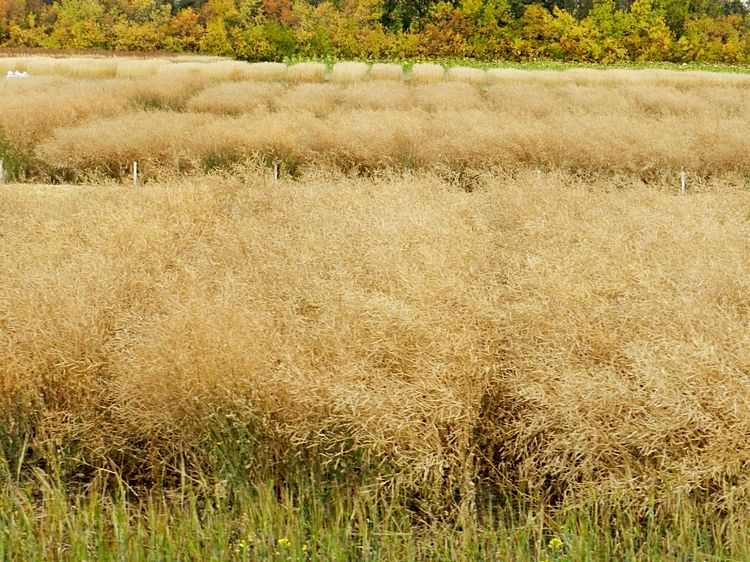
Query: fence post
point(276, 171)
point(135, 172)
point(683, 182)
point(2, 171)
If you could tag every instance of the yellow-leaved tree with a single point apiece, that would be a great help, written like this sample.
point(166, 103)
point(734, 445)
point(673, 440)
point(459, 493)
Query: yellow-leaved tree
point(220, 16)
point(604, 35)
point(706, 39)
point(78, 25)
point(490, 31)
point(647, 36)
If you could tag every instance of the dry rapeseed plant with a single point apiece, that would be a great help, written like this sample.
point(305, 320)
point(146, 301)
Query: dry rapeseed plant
point(238, 70)
point(377, 94)
point(138, 68)
point(466, 74)
point(448, 97)
point(602, 130)
point(266, 71)
point(33, 107)
point(426, 73)
point(90, 68)
point(644, 125)
point(80, 67)
point(386, 71)
point(234, 98)
point(543, 333)
point(165, 92)
point(317, 99)
point(307, 72)
point(349, 72)
point(556, 329)
point(216, 71)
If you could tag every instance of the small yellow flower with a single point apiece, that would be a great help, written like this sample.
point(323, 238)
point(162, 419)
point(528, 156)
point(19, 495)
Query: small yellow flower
point(286, 543)
point(555, 543)
point(305, 547)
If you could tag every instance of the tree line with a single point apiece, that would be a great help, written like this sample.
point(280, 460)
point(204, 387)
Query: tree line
point(599, 31)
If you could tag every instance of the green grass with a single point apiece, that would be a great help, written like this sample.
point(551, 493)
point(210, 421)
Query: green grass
point(539, 64)
point(16, 165)
point(246, 505)
point(287, 521)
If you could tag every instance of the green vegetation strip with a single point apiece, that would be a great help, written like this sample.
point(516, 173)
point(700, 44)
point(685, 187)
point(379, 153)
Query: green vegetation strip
point(206, 518)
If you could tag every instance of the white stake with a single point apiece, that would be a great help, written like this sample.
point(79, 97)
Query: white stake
point(135, 172)
point(683, 182)
point(276, 171)
point(2, 171)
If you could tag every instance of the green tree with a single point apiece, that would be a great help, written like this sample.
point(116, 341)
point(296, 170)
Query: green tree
point(401, 15)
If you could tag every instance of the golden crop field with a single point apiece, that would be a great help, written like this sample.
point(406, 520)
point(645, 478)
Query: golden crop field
point(70, 118)
point(461, 288)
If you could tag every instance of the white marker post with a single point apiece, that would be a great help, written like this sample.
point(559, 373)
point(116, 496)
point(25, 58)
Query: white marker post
point(276, 171)
point(2, 171)
point(135, 172)
point(683, 182)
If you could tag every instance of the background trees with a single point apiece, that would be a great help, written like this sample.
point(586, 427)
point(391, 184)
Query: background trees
point(605, 31)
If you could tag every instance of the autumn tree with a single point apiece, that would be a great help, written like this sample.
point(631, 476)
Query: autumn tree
point(78, 25)
point(647, 37)
point(490, 27)
point(722, 39)
point(604, 33)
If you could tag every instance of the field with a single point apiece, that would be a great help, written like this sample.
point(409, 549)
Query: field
point(475, 317)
